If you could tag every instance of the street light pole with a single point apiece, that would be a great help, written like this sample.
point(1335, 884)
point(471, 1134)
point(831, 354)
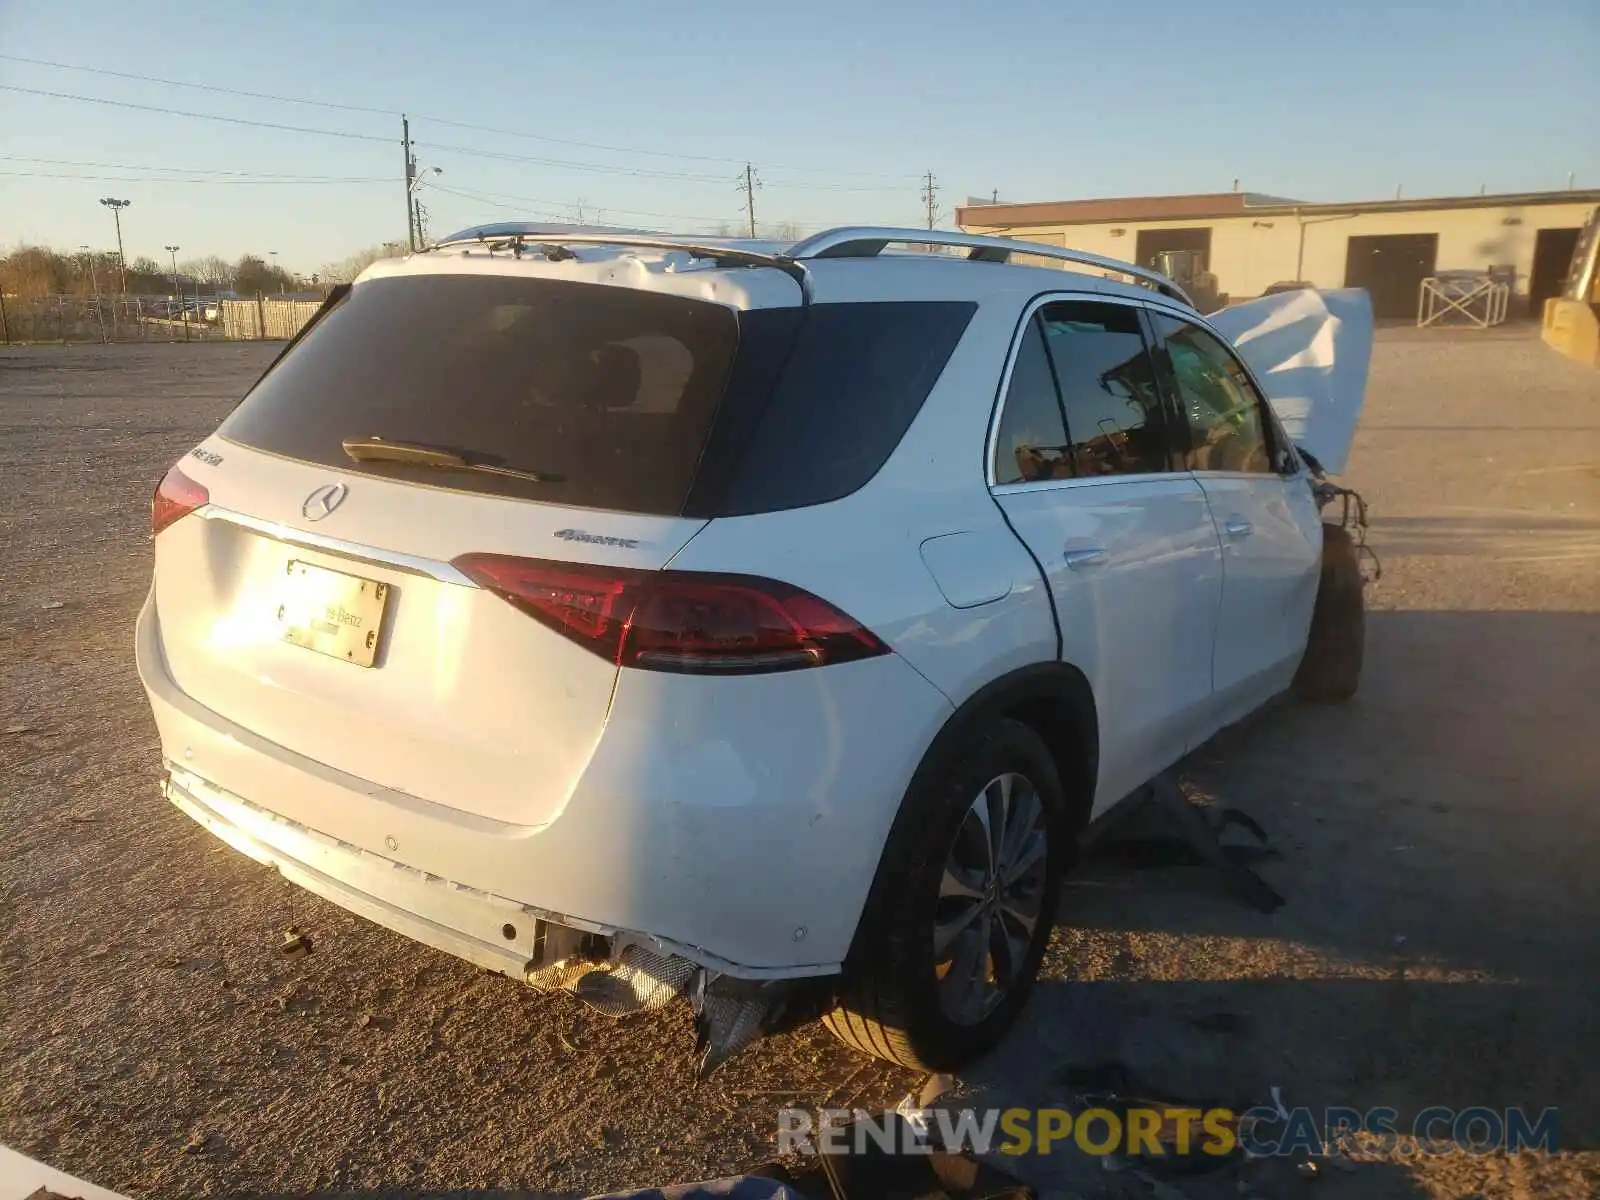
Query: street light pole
point(176, 287)
point(116, 206)
point(273, 254)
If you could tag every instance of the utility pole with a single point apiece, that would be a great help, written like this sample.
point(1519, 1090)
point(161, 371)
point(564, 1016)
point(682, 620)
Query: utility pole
point(411, 167)
point(116, 206)
point(748, 186)
point(418, 214)
point(930, 189)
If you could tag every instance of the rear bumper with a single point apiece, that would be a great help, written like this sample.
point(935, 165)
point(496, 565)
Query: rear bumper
point(489, 931)
point(710, 822)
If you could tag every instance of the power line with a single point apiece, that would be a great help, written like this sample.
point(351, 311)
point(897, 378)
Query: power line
point(478, 194)
point(199, 87)
point(73, 162)
point(599, 168)
point(179, 179)
point(642, 173)
point(394, 112)
point(473, 151)
point(484, 199)
point(639, 150)
point(199, 116)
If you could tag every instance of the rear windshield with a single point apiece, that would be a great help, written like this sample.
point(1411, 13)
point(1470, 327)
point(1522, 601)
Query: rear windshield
point(616, 398)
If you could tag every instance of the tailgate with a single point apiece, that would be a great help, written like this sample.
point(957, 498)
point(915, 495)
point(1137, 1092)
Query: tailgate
point(467, 702)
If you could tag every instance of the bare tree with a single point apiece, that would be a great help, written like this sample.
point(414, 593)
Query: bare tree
point(346, 269)
point(211, 272)
point(783, 231)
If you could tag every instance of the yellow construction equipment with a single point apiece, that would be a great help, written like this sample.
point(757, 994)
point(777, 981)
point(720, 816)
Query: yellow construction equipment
point(1572, 319)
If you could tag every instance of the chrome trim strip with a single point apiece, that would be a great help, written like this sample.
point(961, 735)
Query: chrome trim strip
point(410, 563)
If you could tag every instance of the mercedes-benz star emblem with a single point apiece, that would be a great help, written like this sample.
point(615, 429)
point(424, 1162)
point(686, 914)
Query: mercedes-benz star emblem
point(324, 500)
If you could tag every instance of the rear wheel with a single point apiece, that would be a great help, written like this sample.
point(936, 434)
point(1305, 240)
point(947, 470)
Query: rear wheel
point(962, 907)
point(1330, 672)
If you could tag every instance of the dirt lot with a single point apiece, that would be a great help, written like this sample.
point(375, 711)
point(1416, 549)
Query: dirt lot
point(1438, 845)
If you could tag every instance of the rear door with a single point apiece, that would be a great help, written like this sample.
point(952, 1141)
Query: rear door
point(1265, 515)
point(315, 602)
point(1082, 466)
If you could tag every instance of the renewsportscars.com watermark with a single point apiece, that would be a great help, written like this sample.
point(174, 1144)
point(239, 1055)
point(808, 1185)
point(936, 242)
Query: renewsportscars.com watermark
point(1259, 1132)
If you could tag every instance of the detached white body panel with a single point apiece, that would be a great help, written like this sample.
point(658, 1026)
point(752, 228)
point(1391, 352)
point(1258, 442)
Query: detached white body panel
point(1310, 349)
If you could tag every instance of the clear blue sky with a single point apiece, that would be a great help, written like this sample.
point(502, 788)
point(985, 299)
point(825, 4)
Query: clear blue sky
point(840, 106)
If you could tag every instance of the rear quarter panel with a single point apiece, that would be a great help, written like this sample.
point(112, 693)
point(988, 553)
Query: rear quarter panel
point(865, 552)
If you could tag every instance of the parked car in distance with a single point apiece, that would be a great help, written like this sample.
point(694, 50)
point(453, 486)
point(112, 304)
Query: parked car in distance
point(758, 624)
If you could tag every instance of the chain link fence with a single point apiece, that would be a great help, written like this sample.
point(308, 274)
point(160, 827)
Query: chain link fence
point(86, 319)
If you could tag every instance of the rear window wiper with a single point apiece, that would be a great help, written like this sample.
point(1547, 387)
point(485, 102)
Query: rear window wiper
point(418, 454)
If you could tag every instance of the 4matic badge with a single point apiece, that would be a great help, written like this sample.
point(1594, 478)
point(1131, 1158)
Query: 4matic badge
point(597, 539)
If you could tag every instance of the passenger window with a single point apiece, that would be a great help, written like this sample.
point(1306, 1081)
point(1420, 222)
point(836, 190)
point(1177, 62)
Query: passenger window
point(1032, 442)
point(1115, 422)
point(1221, 407)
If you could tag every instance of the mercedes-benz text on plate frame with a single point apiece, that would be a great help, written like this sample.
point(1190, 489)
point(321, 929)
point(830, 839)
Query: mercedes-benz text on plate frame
point(324, 500)
point(331, 612)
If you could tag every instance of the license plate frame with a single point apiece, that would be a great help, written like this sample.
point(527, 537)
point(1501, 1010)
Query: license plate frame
point(332, 612)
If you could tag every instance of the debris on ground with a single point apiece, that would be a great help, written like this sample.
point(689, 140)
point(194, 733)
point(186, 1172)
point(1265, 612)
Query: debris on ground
point(295, 943)
point(1163, 827)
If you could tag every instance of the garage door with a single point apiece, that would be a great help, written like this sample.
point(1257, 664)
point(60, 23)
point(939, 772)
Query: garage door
point(1150, 242)
point(1391, 267)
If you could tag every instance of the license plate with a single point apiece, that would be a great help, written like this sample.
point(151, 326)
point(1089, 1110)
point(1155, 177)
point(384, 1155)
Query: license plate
point(332, 613)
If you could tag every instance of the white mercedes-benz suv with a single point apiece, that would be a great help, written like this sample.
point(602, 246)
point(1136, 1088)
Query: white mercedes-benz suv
point(657, 617)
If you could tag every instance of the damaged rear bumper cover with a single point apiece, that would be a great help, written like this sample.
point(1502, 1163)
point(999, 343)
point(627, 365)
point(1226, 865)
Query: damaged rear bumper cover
point(616, 971)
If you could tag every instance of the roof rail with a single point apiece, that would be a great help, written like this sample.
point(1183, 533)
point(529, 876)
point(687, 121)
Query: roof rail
point(848, 241)
point(517, 234)
point(869, 241)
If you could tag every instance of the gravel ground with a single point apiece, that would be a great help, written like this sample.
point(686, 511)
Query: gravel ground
point(1437, 841)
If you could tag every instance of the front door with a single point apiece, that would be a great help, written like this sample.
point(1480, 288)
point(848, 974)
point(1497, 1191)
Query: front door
point(1083, 469)
point(1266, 518)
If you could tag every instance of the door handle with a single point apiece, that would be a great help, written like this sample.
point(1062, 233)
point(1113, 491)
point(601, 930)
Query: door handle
point(1085, 556)
point(1238, 527)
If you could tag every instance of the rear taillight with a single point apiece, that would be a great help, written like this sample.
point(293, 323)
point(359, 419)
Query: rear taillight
point(176, 496)
point(677, 620)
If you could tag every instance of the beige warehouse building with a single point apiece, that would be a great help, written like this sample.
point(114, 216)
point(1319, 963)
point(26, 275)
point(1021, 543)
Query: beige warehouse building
point(1250, 241)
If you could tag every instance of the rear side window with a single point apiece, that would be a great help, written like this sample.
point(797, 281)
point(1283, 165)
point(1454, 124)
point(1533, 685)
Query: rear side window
point(1032, 440)
point(856, 377)
point(1115, 421)
point(608, 392)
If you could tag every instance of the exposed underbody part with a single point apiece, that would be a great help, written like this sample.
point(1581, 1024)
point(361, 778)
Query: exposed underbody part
point(615, 972)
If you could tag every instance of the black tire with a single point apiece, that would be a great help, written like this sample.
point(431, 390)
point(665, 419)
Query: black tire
point(1330, 672)
point(888, 1004)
